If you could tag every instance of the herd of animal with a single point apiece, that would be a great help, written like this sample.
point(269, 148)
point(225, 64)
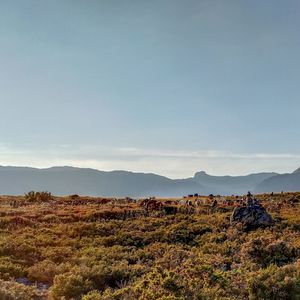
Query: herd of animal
point(215, 201)
point(170, 206)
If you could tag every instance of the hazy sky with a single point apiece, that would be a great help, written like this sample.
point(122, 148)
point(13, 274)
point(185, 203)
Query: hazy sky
point(164, 86)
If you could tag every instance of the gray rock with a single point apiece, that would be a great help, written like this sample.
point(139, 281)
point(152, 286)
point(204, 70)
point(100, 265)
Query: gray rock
point(251, 217)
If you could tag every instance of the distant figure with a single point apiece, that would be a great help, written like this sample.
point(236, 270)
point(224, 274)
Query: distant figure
point(214, 203)
point(249, 200)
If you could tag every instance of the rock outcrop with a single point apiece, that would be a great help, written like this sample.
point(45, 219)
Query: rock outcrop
point(251, 217)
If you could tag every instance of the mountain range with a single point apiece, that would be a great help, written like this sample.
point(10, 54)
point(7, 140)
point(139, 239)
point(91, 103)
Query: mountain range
point(82, 181)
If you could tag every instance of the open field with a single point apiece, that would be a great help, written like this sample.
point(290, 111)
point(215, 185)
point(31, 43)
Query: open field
point(95, 248)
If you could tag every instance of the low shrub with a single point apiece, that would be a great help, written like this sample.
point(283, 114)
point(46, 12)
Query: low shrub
point(278, 283)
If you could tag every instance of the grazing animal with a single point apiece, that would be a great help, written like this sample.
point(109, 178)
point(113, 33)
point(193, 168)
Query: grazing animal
point(153, 205)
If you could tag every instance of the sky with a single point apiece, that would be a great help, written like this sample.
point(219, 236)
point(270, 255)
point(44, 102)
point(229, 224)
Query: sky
point(164, 86)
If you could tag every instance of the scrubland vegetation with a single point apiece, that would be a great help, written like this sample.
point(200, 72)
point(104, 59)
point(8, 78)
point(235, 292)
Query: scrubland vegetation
point(91, 248)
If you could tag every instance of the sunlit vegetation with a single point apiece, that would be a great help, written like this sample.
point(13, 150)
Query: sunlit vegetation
point(92, 248)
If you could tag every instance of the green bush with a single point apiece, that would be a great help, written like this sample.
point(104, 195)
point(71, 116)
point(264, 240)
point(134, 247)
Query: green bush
point(10, 290)
point(45, 271)
point(69, 286)
point(278, 283)
point(43, 196)
point(265, 251)
point(93, 295)
point(9, 269)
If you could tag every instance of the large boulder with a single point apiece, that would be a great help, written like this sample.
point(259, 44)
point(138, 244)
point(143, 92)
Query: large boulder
point(251, 217)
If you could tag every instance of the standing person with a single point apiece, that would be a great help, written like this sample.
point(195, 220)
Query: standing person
point(249, 200)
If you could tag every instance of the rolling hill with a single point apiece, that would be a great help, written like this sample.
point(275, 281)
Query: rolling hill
point(227, 185)
point(280, 182)
point(71, 180)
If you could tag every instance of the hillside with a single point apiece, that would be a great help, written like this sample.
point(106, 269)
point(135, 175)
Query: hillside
point(90, 248)
point(281, 182)
point(297, 171)
point(227, 185)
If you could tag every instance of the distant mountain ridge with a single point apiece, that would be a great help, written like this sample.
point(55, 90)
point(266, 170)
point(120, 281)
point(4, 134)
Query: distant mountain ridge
point(70, 180)
point(227, 185)
point(280, 182)
point(84, 181)
point(297, 171)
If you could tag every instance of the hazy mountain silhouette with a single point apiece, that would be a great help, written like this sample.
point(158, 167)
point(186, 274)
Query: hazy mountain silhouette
point(227, 185)
point(70, 180)
point(281, 182)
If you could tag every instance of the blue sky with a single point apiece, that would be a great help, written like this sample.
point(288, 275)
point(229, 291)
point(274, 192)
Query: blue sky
point(168, 86)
